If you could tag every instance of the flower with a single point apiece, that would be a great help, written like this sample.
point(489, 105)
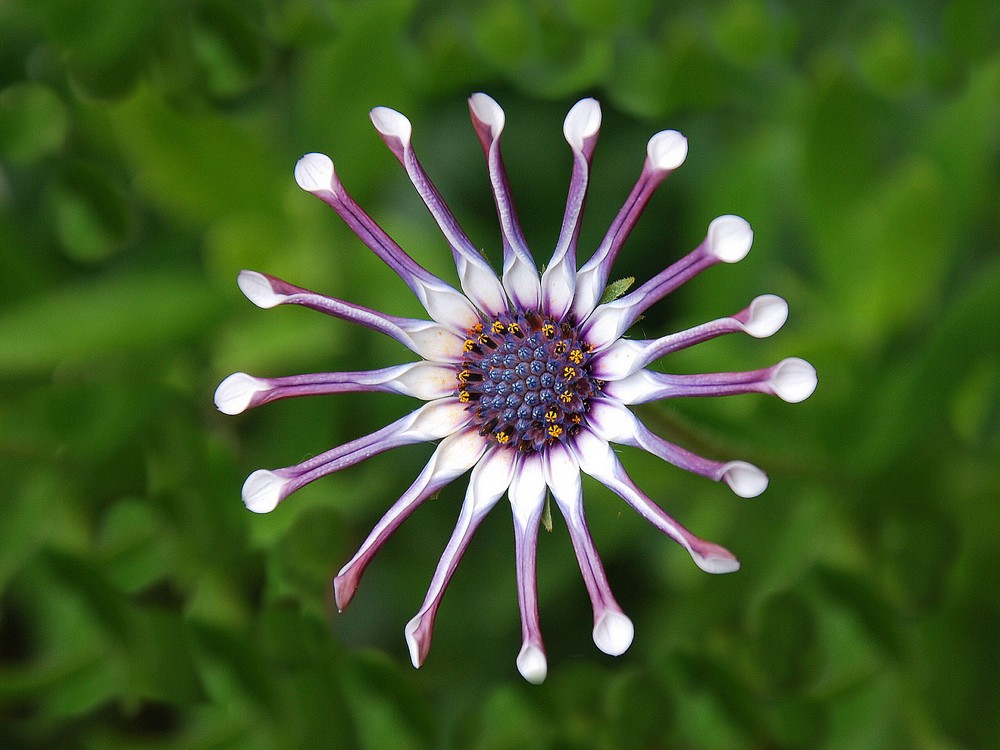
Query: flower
point(526, 378)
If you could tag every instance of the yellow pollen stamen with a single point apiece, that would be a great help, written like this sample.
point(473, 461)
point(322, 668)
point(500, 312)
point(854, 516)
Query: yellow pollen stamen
point(566, 397)
point(502, 437)
point(549, 330)
point(463, 376)
point(498, 327)
point(551, 415)
point(554, 430)
point(569, 372)
point(576, 357)
point(483, 338)
point(477, 328)
point(560, 348)
point(514, 328)
point(469, 345)
point(576, 419)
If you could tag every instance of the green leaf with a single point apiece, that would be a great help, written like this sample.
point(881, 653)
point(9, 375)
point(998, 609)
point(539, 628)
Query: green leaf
point(616, 289)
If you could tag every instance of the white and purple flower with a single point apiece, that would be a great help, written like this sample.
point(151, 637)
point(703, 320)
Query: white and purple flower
point(526, 377)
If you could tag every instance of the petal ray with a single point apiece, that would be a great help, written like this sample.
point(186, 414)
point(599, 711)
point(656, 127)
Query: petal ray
point(446, 305)
point(431, 341)
point(613, 631)
point(520, 276)
point(490, 479)
point(455, 455)
point(599, 461)
point(479, 281)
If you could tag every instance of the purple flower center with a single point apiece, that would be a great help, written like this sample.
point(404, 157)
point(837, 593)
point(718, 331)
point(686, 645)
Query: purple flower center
point(527, 380)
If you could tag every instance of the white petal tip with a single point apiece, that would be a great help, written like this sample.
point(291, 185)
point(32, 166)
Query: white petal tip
point(234, 394)
point(391, 124)
point(613, 633)
point(263, 490)
point(729, 238)
point(412, 641)
point(485, 109)
point(314, 172)
point(257, 288)
point(744, 479)
point(766, 315)
point(667, 150)
point(582, 122)
point(717, 564)
point(531, 664)
point(793, 380)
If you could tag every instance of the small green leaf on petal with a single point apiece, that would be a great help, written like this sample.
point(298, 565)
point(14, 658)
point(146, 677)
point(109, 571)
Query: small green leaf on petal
point(616, 289)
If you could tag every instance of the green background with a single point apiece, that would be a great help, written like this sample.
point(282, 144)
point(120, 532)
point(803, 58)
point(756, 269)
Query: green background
point(146, 154)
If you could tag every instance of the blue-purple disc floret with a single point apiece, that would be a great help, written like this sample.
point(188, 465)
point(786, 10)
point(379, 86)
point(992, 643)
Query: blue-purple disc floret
point(527, 379)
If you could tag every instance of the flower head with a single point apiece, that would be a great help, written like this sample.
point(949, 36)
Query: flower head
point(526, 378)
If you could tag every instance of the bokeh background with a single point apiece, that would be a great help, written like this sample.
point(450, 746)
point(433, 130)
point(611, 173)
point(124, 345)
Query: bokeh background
point(146, 154)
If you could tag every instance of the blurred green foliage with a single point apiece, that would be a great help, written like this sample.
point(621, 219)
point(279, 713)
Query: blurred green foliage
point(145, 158)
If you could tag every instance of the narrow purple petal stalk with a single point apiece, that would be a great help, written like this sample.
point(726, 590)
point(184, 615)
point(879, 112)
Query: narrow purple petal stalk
point(613, 631)
point(527, 500)
point(454, 456)
point(520, 277)
point(559, 279)
point(265, 488)
point(616, 424)
point(665, 151)
point(599, 461)
point(728, 241)
point(763, 318)
point(489, 480)
point(791, 380)
point(315, 174)
point(479, 282)
point(423, 380)
point(526, 380)
point(430, 340)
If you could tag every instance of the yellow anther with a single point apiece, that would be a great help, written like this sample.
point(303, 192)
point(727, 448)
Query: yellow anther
point(549, 330)
point(463, 397)
point(576, 419)
point(576, 357)
point(514, 328)
point(551, 415)
point(498, 327)
point(463, 375)
point(502, 437)
point(469, 345)
point(560, 347)
point(483, 338)
point(569, 372)
point(566, 397)
point(477, 328)
point(554, 430)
